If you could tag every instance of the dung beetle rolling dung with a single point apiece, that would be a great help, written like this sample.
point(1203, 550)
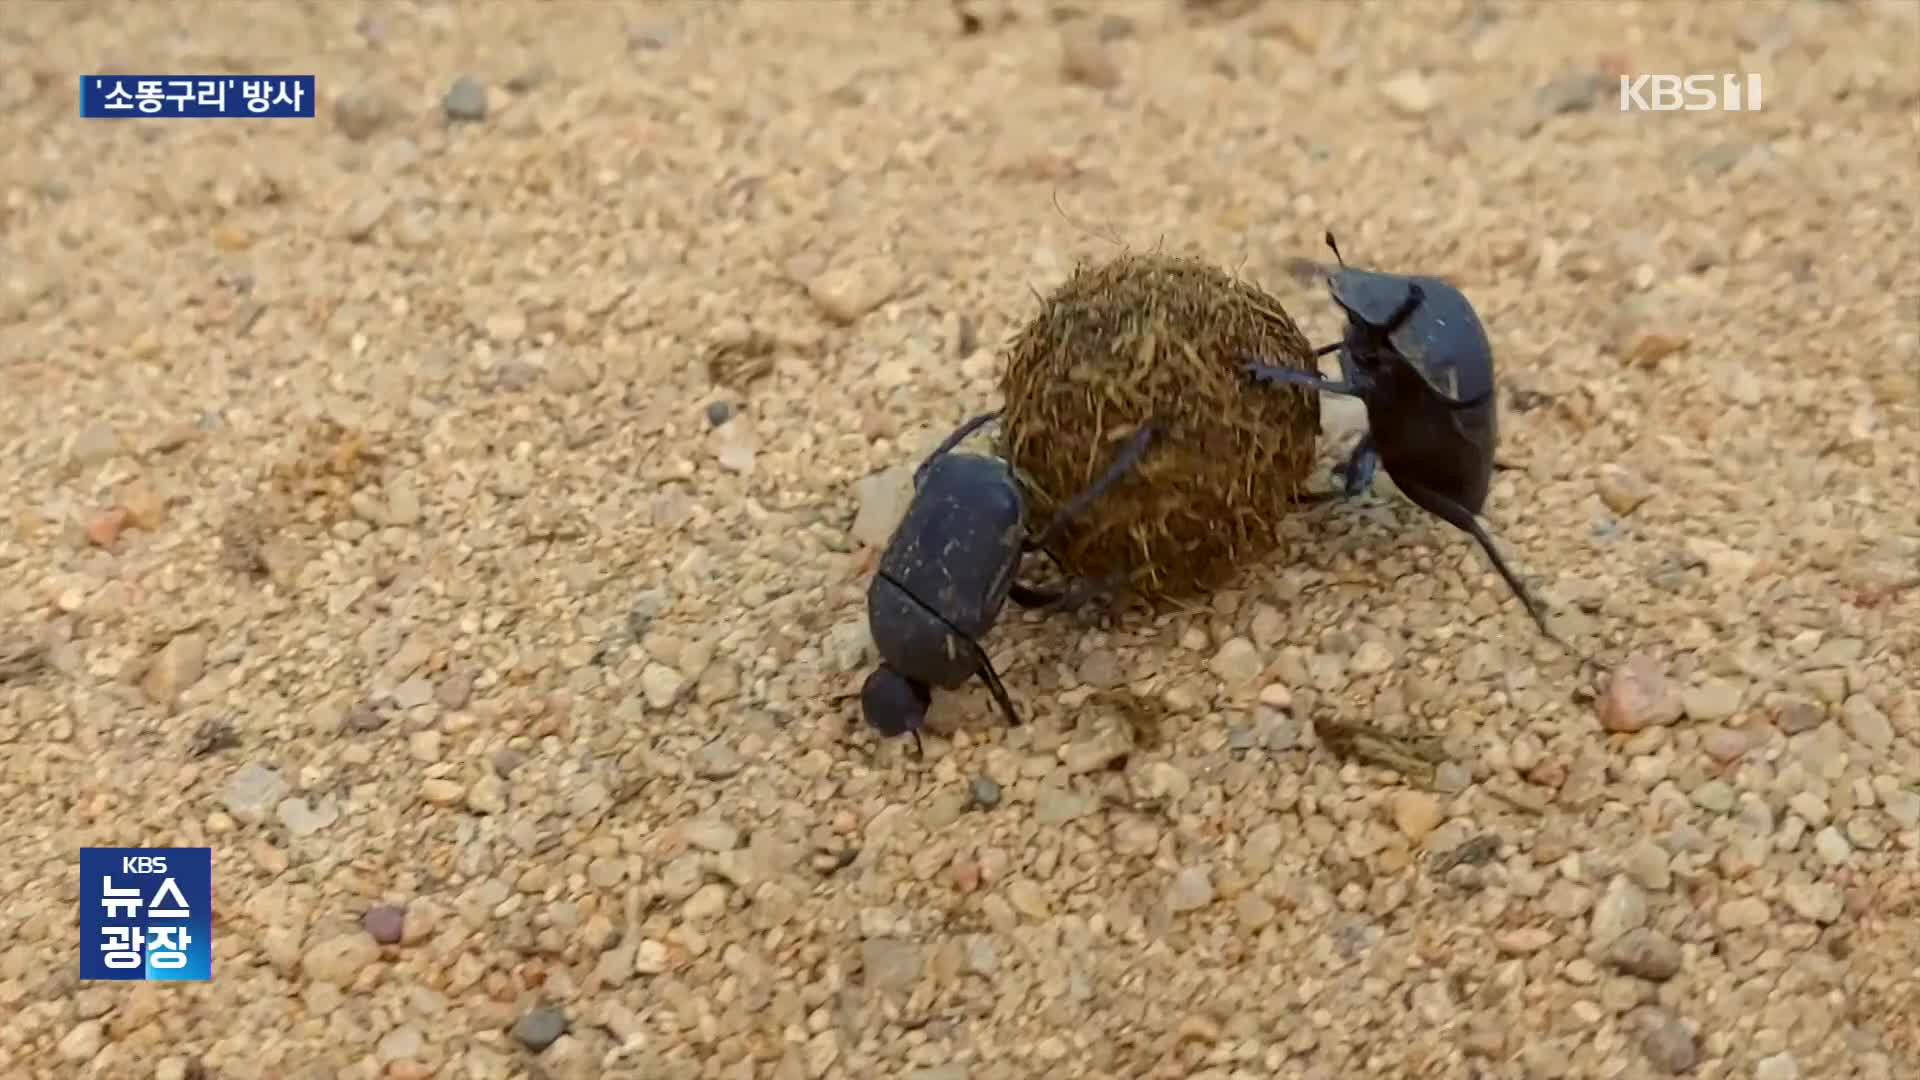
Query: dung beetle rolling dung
point(950, 568)
point(1415, 353)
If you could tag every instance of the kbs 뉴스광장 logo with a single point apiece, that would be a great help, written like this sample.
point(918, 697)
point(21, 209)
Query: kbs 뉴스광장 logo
point(146, 914)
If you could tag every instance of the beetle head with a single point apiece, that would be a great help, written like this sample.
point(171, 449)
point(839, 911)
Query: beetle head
point(1422, 321)
point(894, 704)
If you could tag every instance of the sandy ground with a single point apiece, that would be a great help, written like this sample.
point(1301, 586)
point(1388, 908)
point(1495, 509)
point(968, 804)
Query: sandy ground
point(451, 521)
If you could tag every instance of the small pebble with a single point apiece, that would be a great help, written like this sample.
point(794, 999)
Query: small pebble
point(1867, 723)
point(1832, 847)
point(363, 215)
point(1639, 696)
point(359, 113)
point(385, 923)
point(1371, 658)
point(93, 445)
point(1645, 953)
point(1192, 889)
point(1027, 899)
point(455, 690)
point(1085, 58)
point(717, 761)
point(1744, 913)
point(661, 685)
point(1715, 796)
point(1815, 901)
point(82, 1041)
point(710, 834)
point(402, 1044)
point(1798, 714)
point(466, 100)
point(339, 959)
point(1576, 92)
point(1715, 699)
point(1666, 1042)
point(303, 817)
point(176, 668)
point(1416, 814)
point(1409, 94)
point(1237, 663)
point(1781, 1066)
point(442, 792)
point(105, 527)
point(252, 792)
point(1725, 745)
point(539, 1027)
point(846, 293)
point(719, 412)
point(1648, 864)
point(1622, 908)
point(1621, 489)
point(984, 793)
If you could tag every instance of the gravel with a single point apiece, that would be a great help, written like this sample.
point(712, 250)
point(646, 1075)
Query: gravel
point(539, 1028)
point(466, 100)
point(382, 450)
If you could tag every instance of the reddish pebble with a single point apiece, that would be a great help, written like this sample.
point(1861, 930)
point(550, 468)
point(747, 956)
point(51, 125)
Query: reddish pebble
point(385, 923)
point(104, 528)
point(145, 506)
point(1639, 696)
point(1725, 745)
point(966, 875)
point(1551, 773)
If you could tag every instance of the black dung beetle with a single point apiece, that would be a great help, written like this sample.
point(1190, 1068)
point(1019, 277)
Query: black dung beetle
point(948, 571)
point(1415, 353)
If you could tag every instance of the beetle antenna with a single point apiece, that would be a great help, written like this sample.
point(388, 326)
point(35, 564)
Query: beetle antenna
point(1336, 249)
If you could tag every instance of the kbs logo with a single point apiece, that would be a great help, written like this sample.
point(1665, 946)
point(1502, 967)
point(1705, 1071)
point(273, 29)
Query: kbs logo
point(1690, 93)
point(146, 914)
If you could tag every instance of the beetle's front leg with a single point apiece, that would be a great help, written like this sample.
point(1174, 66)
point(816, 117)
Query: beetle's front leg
point(1356, 473)
point(1075, 595)
point(1264, 372)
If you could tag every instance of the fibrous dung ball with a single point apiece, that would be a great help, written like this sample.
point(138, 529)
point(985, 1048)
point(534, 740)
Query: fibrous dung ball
point(1160, 339)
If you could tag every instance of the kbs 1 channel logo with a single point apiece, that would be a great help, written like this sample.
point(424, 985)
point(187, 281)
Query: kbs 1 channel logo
point(1690, 93)
point(180, 97)
point(146, 914)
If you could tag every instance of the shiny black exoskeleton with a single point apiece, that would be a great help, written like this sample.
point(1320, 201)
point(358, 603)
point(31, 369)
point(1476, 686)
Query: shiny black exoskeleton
point(1416, 354)
point(950, 568)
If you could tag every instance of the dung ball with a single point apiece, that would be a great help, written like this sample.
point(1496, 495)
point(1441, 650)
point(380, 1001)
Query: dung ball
point(1160, 339)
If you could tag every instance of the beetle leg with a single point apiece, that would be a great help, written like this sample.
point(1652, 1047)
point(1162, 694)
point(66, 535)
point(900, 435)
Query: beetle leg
point(953, 440)
point(1357, 471)
point(1355, 475)
point(1312, 380)
point(983, 664)
point(1128, 457)
point(1077, 592)
point(1458, 516)
point(1033, 599)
